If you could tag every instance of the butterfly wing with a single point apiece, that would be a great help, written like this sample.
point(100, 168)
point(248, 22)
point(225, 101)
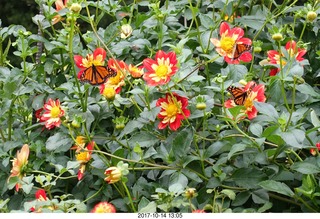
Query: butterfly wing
point(239, 96)
point(97, 75)
point(239, 49)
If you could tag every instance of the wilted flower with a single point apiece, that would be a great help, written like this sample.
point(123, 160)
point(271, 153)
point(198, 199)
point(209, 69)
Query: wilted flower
point(230, 39)
point(274, 56)
point(103, 207)
point(173, 110)
point(190, 193)
point(136, 72)
point(19, 164)
point(59, 6)
point(254, 93)
point(84, 156)
point(126, 31)
point(161, 69)
point(52, 114)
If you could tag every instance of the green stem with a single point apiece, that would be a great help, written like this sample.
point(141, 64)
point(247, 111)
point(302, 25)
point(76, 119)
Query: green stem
point(129, 196)
point(292, 104)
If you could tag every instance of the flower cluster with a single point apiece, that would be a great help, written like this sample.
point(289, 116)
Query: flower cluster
point(274, 57)
point(254, 92)
point(227, 45)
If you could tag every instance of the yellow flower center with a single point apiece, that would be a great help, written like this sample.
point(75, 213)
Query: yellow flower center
point(172, 110)
point(109, 92)
point(89, 61)
point(55, 112)
point(227, 44)
point(82, 157)
point(162, 71)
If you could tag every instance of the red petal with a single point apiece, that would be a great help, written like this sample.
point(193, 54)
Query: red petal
point(99, 51)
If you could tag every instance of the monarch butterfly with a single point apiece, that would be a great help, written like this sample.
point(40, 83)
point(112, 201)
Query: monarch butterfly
point(239, 95)
point(97, 75)
point(239, 49)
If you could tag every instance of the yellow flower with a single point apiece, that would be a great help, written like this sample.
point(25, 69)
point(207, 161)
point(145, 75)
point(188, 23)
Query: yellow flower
point(19, 164)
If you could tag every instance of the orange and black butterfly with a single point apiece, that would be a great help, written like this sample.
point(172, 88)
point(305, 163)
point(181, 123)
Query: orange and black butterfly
point(97, 75)
point(239, 49)
point(239, 95)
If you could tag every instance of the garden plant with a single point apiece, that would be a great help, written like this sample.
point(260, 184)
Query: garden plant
point(161, 106)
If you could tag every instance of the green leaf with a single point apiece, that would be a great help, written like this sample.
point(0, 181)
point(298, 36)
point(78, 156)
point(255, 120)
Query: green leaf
point(59, 142)
point(265, 207)
point(277, 187)
point(248, 177)
point(260, 196)
point(241, 198)
point(308, 166)
point(177, 182)
point(294, 138)
point(256, 129)
point(230, 193)
point(236, 148)
point(206, 22)
point(144, 139)
point(314, 119)
point(253, 21)
point(182, 142)
point(267, 109)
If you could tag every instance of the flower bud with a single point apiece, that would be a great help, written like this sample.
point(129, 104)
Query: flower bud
point(257, 49)
point(75, 7)
point(201, 106)
point(126, 31)
point(113, 175)
point(311, 15)
point(277, 37)
point(190, 193)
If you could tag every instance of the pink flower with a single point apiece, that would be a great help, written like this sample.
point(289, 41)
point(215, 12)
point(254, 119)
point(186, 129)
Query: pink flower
point(230, 39)
point(52, 114)
point(173, 110)
point(59, 6)
point(161, 69)
point(198, 211)
point(254, 93)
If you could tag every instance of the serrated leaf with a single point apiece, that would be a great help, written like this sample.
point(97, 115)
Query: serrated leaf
point(182, 142)
point(277, 187)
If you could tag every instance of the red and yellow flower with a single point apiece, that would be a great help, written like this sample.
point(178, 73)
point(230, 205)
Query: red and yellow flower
point(60, 4)
point(161, 69)
point(83, 156)
point(254, 93)
point(97, 59)
point(40, 196)
point(52, 114)
point(173, 110)
point(114, 174)
point(293, 52)
point(229, 38)
point(19, 164)
point(136, 72)
point(316, 150)
point(103, 207)
point(114, 84)
point(198, 211)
